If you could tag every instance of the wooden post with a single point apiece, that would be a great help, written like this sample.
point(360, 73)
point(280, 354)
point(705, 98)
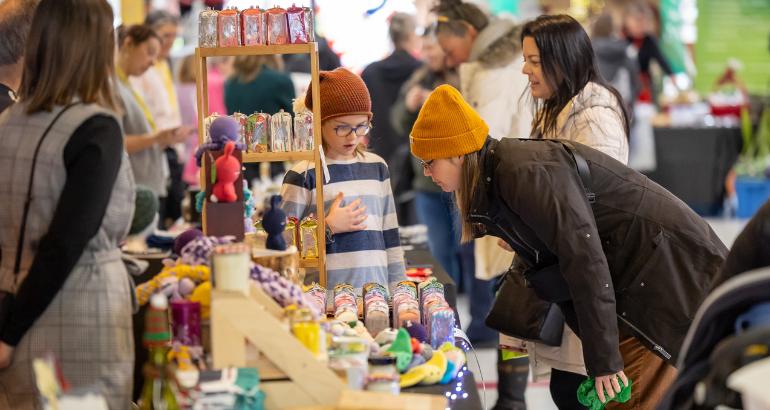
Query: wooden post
point(319, 174)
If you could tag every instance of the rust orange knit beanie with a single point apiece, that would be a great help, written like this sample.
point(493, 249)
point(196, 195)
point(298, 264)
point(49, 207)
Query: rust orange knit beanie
point(447, 127)
point(342, 93)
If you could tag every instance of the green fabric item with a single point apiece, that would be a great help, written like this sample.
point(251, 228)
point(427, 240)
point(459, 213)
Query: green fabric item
point(146, 206)
point(587, 394)
point(402, 350)
point(252, 398)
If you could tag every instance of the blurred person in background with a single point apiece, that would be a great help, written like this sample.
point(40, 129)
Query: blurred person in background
point(384, 80)
point(72, 293)
point(157, 85)
point(433, 207)
point(139, 46)
point(188, 109)
point(638, 21)
point(487, 53)
point(618, 61)
point(15, 19)
point(219, 70)
point(257, 84)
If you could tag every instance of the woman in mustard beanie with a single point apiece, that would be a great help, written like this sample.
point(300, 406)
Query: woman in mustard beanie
point(611, 248)
point(363, 244)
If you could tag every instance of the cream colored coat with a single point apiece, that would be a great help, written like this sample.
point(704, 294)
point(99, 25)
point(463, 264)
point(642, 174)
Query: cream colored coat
point(592, 118)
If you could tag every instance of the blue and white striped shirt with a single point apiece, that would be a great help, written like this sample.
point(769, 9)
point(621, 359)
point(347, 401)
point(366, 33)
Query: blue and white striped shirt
point(373, 255)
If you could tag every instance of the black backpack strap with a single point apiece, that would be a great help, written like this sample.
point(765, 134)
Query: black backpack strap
point(583, 171)
point(28, 201)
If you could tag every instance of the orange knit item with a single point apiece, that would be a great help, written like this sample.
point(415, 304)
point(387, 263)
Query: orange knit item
point(447, 127)
point(342, 93)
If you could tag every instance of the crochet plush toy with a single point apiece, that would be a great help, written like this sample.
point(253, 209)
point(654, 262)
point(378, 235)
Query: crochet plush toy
point(223, 130)
point(225, 171)
point(274, 223)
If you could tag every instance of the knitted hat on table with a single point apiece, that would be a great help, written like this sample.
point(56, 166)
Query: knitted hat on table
point(447, 127)
point(342, 93)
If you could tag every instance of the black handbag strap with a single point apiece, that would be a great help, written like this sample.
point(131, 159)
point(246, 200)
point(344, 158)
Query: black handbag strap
point(583, 171)
point(28, 200)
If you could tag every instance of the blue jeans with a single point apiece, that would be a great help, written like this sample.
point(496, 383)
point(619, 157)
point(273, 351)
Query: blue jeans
point(437, 211)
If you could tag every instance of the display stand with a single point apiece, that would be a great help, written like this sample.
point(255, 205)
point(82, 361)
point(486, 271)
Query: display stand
point(290, 375)
point(212, 213)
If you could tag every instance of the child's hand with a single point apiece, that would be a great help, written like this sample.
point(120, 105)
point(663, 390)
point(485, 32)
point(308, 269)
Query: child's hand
point(346, 219)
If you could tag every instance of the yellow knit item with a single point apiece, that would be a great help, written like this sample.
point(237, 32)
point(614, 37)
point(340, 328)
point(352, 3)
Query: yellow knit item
point(447, 127)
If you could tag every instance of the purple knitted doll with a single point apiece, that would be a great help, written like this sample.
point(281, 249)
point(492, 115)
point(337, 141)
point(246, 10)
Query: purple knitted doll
point(223, 130)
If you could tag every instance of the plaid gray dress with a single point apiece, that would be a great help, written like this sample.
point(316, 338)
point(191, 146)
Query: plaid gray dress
point(88, 325)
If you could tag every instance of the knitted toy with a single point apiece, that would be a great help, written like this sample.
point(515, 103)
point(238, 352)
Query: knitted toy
point(184, 238)
point(282, 290)
point(198, 250)
point(401, 348)
point(223, 129)
point(274, 223)
point(202, 295)
point(225, 172)
point(175, 282)
point(455, 361)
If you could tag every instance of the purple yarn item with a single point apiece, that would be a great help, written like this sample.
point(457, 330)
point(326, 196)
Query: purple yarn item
point(198, 250)
point(282, 290)
point(417, 331)
point(184, 238)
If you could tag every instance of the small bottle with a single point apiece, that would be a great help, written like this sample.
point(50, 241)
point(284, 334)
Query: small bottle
point(160, 387)
point(309, 332)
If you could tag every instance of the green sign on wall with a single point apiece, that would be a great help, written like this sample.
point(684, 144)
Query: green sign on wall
point(733, 29)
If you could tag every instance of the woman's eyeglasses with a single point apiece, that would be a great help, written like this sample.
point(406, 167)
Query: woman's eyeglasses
point(345, 130)
point(427, 165)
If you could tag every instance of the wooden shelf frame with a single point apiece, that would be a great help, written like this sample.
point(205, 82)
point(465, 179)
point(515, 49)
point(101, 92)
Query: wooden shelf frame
point(201, 76)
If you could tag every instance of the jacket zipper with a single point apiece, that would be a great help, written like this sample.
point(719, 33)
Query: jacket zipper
point(655, 346)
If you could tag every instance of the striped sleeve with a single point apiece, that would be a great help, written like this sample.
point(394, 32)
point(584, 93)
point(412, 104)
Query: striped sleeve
point(297, 191)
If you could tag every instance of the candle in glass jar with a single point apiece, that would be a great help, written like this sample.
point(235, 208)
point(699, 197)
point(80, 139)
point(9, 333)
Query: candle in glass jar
point(309, 24)
point(186, 322)
point(231, 267)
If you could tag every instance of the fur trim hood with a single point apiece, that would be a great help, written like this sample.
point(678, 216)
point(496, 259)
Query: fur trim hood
point(498, 44)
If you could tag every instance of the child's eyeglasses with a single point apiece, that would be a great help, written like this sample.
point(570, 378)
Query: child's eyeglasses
point(427, 165)
point(345, 130)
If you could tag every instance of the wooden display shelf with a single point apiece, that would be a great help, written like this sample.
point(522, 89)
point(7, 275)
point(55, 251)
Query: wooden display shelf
point(256, 50)
point(290, 374)
point(279, 156)
point(308, 263)
point(201, 76)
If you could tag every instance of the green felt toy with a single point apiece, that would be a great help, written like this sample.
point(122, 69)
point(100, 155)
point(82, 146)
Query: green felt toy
point(402, 349)
point(588, 397)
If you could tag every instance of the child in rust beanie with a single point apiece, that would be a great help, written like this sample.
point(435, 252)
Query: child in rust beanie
point(362, 243)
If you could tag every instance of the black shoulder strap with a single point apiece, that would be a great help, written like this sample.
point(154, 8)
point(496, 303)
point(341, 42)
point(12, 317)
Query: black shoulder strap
point(583, 171)
point(29, 190)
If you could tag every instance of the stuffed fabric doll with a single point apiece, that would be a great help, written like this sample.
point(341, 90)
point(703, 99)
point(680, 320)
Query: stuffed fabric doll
point(223, 130)
point(227, 170)
point(274, 222)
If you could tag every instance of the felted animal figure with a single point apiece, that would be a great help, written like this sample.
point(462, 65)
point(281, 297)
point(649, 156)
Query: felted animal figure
point(274, 222)
point(227, 170)
point(223, 129)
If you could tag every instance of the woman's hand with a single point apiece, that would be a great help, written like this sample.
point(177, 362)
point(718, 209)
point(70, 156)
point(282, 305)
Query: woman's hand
point(6, 352)
point(173, 136)
point(503, 244)
point(416, 97)
point(610, 384)
point(346, 219)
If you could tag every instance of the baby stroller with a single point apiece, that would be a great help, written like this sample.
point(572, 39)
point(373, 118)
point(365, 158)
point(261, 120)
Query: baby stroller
point(713, 350)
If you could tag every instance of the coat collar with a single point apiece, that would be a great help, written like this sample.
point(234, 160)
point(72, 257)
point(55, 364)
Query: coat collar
point(592, 95)
point(497, 44)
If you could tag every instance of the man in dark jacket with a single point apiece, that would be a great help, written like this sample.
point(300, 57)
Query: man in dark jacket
point(618, 61)
point(628, 259)
point(384, 80)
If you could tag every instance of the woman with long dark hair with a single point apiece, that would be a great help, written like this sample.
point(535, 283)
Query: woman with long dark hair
point(571, 101)
point(67, 199)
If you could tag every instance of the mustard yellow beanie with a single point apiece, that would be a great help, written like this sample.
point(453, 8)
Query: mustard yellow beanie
point(447, 127)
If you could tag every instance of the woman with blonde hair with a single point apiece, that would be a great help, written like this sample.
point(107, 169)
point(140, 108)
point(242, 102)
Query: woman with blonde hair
point(67, 195)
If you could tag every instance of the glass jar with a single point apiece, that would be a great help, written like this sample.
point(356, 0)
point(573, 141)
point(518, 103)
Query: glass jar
point(383, 375)
point(308, 331)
